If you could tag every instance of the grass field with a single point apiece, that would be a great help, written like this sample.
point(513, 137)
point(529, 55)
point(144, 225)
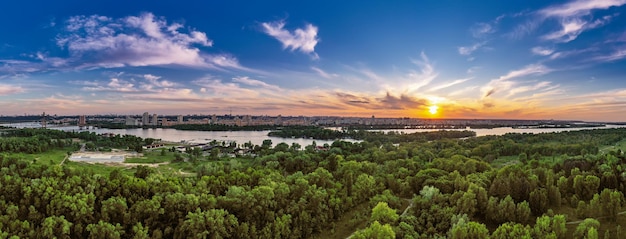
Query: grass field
point(619, 145)
point(152, 156)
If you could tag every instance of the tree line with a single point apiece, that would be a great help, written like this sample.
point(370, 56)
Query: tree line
point(454, 186)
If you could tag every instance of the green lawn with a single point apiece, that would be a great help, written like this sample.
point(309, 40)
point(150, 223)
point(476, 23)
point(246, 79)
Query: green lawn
point(152, 156)
point(47, 158)
point(619, 145)
point(504, 161)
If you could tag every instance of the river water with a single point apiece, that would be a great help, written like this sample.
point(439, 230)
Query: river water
point(257, 137)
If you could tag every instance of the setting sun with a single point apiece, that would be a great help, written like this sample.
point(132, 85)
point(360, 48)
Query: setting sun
point(433, 109)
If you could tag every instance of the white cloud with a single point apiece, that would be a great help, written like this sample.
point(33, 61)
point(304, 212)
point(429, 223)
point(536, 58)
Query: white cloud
point(323, 73)
point(505, 83)
point(575, 17)
point(449, 84)
point(424, 76)
point(9, 89)
point(216, 87)
point(542, 51)
point(480, 30)
point(302, 39)
point(151, 77)
point(144, 40)
point(153, 81)
point(579, 7)
point(257, 83)
point(467, 50)
point(615, 55)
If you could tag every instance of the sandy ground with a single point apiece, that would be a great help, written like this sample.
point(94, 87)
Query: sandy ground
point(102, 157)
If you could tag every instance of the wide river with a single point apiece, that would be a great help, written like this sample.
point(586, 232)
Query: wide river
point(257, 137)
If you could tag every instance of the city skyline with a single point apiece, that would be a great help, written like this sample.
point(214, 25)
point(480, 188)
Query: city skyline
point(495, 60)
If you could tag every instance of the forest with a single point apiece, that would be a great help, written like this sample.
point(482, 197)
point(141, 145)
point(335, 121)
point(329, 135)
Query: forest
point(435, 185)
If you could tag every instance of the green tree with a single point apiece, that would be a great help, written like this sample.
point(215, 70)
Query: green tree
point(375, 230)
point(105, 230)
point(512, 230)
point(56, 227)
point(470, 230)
point(214, 223)
point(583, 230)
point(384, 214)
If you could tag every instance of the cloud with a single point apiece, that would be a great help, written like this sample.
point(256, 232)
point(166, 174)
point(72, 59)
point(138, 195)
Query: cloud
point(449, 84)
point(617, 54)
point(579, 8)
point(153, 81)
point(256, 83)
point(302, 39)
point(505, 83)
point(422, 78)
point(575, 17)
point(401, 102)
point(542, 51)
point(114, 85)
point(467, 50)
point(151, 77)
point(480, 30)
point(9, 89)
point(144, 40)
point(323, 73)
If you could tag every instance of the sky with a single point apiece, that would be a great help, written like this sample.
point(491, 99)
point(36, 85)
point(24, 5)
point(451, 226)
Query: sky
point(562, 60)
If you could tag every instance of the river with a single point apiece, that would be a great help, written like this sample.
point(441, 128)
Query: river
point(257, 137)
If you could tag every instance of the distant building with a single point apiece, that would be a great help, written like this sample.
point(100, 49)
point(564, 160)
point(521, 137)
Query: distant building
point(180, 119)
point(131, 121)
point(145, 120)
point(155, 119)
point(82, 120)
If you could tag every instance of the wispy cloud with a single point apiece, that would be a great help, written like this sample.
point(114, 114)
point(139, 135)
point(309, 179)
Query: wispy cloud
point(10, 89)
point(449, 84)
point(323, 73)
point(468, 50)
point(302, 39)
point(542, 51)
point(256, 83)
point(144, 40)
point(482, 29)
point(576, 17)
point(617, 54)
point(504, 83)
point(423, 77)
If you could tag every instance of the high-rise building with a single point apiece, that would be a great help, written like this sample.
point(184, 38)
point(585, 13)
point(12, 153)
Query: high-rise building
point(145, 120)
point(155, 119)
point(180, 119)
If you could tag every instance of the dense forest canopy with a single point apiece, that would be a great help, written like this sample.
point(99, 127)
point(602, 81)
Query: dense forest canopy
point(441, 184)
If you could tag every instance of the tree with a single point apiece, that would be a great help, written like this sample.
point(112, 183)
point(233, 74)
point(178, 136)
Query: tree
point(512, 230)
point(583, 230)
point(142, 171)
point(214, 223)
point(586, 186)
point(375, 230)
point(140, 231)
point(105, 230)
point(538, 201)
point(467, 203)
point(364, 187)
point(384, 214)
point(56, 227)
point(470, 230)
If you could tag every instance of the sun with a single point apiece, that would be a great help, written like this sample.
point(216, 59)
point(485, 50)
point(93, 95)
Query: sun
point(433, 109)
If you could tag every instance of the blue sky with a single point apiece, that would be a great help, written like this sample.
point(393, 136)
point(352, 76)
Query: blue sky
point(495, 59)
